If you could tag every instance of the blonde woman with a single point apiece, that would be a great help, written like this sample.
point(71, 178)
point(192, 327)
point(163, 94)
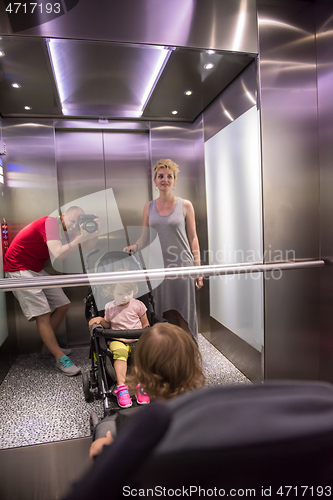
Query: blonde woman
point(173, 218)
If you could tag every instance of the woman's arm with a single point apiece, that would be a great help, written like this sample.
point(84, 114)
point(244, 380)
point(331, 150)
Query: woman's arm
point(192, 237)
point(144, 321)
point(144, 238)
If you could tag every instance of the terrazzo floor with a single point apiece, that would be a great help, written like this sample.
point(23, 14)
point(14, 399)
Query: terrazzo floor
point(39, 404)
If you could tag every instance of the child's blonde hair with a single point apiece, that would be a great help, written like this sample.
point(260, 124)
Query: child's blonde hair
point(108, 290)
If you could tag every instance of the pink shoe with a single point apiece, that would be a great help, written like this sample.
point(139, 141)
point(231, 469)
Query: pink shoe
point(141, 396)
point(123, 397)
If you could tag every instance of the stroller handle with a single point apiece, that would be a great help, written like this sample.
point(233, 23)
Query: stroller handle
point(98, 330)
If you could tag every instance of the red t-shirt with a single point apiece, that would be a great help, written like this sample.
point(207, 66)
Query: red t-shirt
point(29, 249)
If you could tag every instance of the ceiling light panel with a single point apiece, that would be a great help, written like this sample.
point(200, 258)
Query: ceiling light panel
point(26, 63)
point(185, 73)
point(113, 80)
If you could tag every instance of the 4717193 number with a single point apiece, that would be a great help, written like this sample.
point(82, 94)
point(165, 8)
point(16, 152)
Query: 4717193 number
point(30, 8)
point(304, 491)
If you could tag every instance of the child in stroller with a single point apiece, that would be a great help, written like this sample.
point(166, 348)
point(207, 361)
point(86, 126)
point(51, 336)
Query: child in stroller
point(123, 313)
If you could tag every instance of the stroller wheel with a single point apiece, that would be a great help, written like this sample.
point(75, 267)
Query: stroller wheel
point(88, 394)
point(93, 420)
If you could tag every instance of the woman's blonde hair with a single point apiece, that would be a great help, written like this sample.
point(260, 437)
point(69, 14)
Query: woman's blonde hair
point(167, 362)
point(166, 164)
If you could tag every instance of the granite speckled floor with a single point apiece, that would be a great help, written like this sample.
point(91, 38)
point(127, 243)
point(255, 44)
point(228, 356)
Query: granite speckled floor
point(39, 404)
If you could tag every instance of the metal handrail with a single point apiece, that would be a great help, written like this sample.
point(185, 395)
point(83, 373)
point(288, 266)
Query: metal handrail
point(70, 280)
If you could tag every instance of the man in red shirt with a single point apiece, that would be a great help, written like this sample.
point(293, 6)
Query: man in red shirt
point(26, 257)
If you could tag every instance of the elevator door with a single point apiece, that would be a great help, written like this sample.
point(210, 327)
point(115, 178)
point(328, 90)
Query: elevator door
point(107, 173)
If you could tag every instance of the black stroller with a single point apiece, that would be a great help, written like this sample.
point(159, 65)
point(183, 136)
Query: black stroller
point(100, 382)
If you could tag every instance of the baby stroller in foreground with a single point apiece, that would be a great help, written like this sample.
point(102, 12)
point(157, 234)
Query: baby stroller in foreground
point(100, 382)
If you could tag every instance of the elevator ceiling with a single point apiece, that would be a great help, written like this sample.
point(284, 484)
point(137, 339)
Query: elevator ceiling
point(87, 79)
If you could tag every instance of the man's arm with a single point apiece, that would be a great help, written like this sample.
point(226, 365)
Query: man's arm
point(61, 251)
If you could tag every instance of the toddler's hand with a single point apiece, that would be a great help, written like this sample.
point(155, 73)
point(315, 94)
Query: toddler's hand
point(94, 321)
point(97, 446)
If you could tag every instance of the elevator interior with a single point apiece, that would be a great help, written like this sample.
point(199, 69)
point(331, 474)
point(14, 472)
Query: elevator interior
point(102, 131)
point(295, 75)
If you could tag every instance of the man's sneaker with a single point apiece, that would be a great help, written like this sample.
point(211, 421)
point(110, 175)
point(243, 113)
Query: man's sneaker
point(46, 353)
point(123, 397)
point(67, 367)
point(141, 396)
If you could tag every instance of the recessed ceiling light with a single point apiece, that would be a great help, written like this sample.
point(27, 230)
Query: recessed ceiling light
point(174, 112)
point(209, 66)
point(27, 108)
point(210, 51)
point(16, 85)
point(188, 92)
point(2, 53)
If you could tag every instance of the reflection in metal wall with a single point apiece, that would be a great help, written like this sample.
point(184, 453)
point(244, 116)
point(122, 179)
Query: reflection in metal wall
point(31, 170)
point(324, 40)
point(292, 325)
point(290, 182)
point(114, 167)
point(127, 172)
point(183, 143)
point(32, 193)
point(289, 121)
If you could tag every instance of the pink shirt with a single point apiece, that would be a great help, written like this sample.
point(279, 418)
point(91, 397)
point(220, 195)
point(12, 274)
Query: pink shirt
point(125, 317)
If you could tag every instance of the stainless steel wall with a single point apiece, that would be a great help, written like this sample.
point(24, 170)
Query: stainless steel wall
point(215, 24)
point(31, 193)
point(7, 353)
point(324, 38)
point(96, 161)
point(290, 184)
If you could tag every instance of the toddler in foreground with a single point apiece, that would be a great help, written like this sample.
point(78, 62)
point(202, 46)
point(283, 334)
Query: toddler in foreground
point(123, 313)
point(167, 363)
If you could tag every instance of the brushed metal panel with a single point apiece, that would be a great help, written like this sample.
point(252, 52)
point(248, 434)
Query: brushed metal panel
point(127, 172)
point(80, 167)
point(324, 17)
point(289, 127)
point(31, 170)
point(240, 353)
point(236, 99)
point(183, 143)
point(46, 471)
point(215, 24)
point(80, 164)
point(31, 193)
point(324, 40)
point(292, 325)
point(95, 125)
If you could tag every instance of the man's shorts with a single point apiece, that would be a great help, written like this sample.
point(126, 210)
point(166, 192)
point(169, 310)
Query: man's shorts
point(36, 301)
